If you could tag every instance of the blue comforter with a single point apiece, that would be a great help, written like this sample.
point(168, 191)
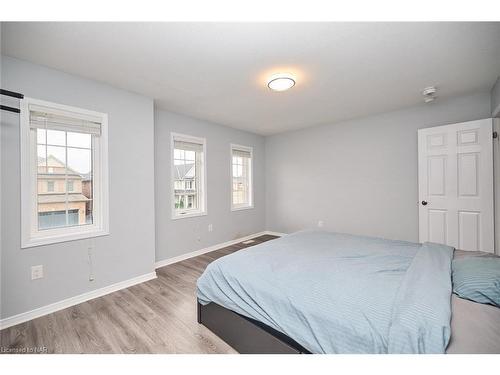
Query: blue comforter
point(338, 293)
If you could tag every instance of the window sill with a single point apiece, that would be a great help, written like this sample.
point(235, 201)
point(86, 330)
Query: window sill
point(185, 216)
point(54, 239)
point(241, 208)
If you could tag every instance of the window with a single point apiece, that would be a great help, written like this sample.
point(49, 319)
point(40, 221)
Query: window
point(241, 177)
point(64, 173)
point(47, 220)
point(188, 176)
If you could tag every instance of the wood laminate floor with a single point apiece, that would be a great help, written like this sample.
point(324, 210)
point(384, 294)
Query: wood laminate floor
point(158, 316)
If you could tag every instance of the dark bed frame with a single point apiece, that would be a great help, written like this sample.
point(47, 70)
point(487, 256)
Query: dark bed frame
point(245, 335)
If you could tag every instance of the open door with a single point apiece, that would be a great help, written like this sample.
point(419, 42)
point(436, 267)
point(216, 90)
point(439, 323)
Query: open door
point(455, 177)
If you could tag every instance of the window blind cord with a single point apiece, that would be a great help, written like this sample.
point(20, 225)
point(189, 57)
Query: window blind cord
point(46, 156)
point(90, 263)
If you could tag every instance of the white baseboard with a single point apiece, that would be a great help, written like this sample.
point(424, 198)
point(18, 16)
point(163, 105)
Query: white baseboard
point(192, 254)
point(271, 233)
point(41, 311)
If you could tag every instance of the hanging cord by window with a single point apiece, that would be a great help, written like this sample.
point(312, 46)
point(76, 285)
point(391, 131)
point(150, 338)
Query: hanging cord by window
point(89, 253)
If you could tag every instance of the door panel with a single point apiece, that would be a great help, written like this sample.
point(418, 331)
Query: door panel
point(455, 171)
point(468, 179)
point(438, 226)
point(469, 229)
point(437, 175)
point(436, 140)
point(468, 137)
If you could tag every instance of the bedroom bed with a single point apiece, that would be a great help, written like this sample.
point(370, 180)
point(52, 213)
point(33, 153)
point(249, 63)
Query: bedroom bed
point(321, 292)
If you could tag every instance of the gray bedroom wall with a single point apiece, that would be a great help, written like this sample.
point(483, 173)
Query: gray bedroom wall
point(1, 263)
point(177, 237)
point(356, 176)
point(495, 99)
point(129, 250)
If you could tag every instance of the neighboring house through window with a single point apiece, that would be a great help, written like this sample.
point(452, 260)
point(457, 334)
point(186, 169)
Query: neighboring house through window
point(188, 176)
point(64, 173)
point(241, 177)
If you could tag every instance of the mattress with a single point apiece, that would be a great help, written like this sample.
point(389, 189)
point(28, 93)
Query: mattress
point(475, 327)
point(338, 293)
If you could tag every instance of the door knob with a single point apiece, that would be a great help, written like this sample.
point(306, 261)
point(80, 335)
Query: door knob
point(424, 203)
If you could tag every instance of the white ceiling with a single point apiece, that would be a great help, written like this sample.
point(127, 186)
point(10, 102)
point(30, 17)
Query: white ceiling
point(218, 71)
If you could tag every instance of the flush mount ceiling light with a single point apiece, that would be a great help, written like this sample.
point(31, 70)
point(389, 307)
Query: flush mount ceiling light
point(281, 82)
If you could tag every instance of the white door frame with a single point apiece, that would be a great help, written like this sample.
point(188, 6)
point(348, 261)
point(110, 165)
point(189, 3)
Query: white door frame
point(496, 181)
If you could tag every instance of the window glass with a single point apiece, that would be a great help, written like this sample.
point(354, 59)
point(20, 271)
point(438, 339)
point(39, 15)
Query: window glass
point(63, 170)
point(241, 184)
point(188, 176)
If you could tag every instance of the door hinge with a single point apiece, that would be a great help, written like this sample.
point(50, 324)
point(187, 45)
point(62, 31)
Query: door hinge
point(495, 135)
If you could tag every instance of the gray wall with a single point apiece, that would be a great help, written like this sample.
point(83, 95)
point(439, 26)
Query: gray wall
point(495, 99)
point(129, 250)
point(357, 176)
point(1, 114)
point(175, 237)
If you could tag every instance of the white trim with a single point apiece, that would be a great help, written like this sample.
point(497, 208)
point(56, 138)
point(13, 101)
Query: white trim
point(242, 208)
point(250, 205)
point(192, 254)
point(271, 233)
point(83, 233)
point(72, 301)
point(30, 235)
point(201, 211)
point(193, 214)
point(496, 183)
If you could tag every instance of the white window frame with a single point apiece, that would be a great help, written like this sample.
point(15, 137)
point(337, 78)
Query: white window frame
point(250, 204)
point(30, 235)
point(202, 209)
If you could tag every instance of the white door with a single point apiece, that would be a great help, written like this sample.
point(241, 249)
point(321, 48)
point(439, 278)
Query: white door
point(455, 174)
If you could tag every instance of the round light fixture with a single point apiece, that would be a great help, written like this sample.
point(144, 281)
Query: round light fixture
point(280, 82)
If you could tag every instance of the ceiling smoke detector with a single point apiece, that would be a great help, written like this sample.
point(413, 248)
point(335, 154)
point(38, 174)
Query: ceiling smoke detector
point(429, 94)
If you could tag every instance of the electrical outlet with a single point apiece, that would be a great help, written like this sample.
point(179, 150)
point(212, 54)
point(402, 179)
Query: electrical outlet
point(36, 272)
point(321, 224)
point(210, 227)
